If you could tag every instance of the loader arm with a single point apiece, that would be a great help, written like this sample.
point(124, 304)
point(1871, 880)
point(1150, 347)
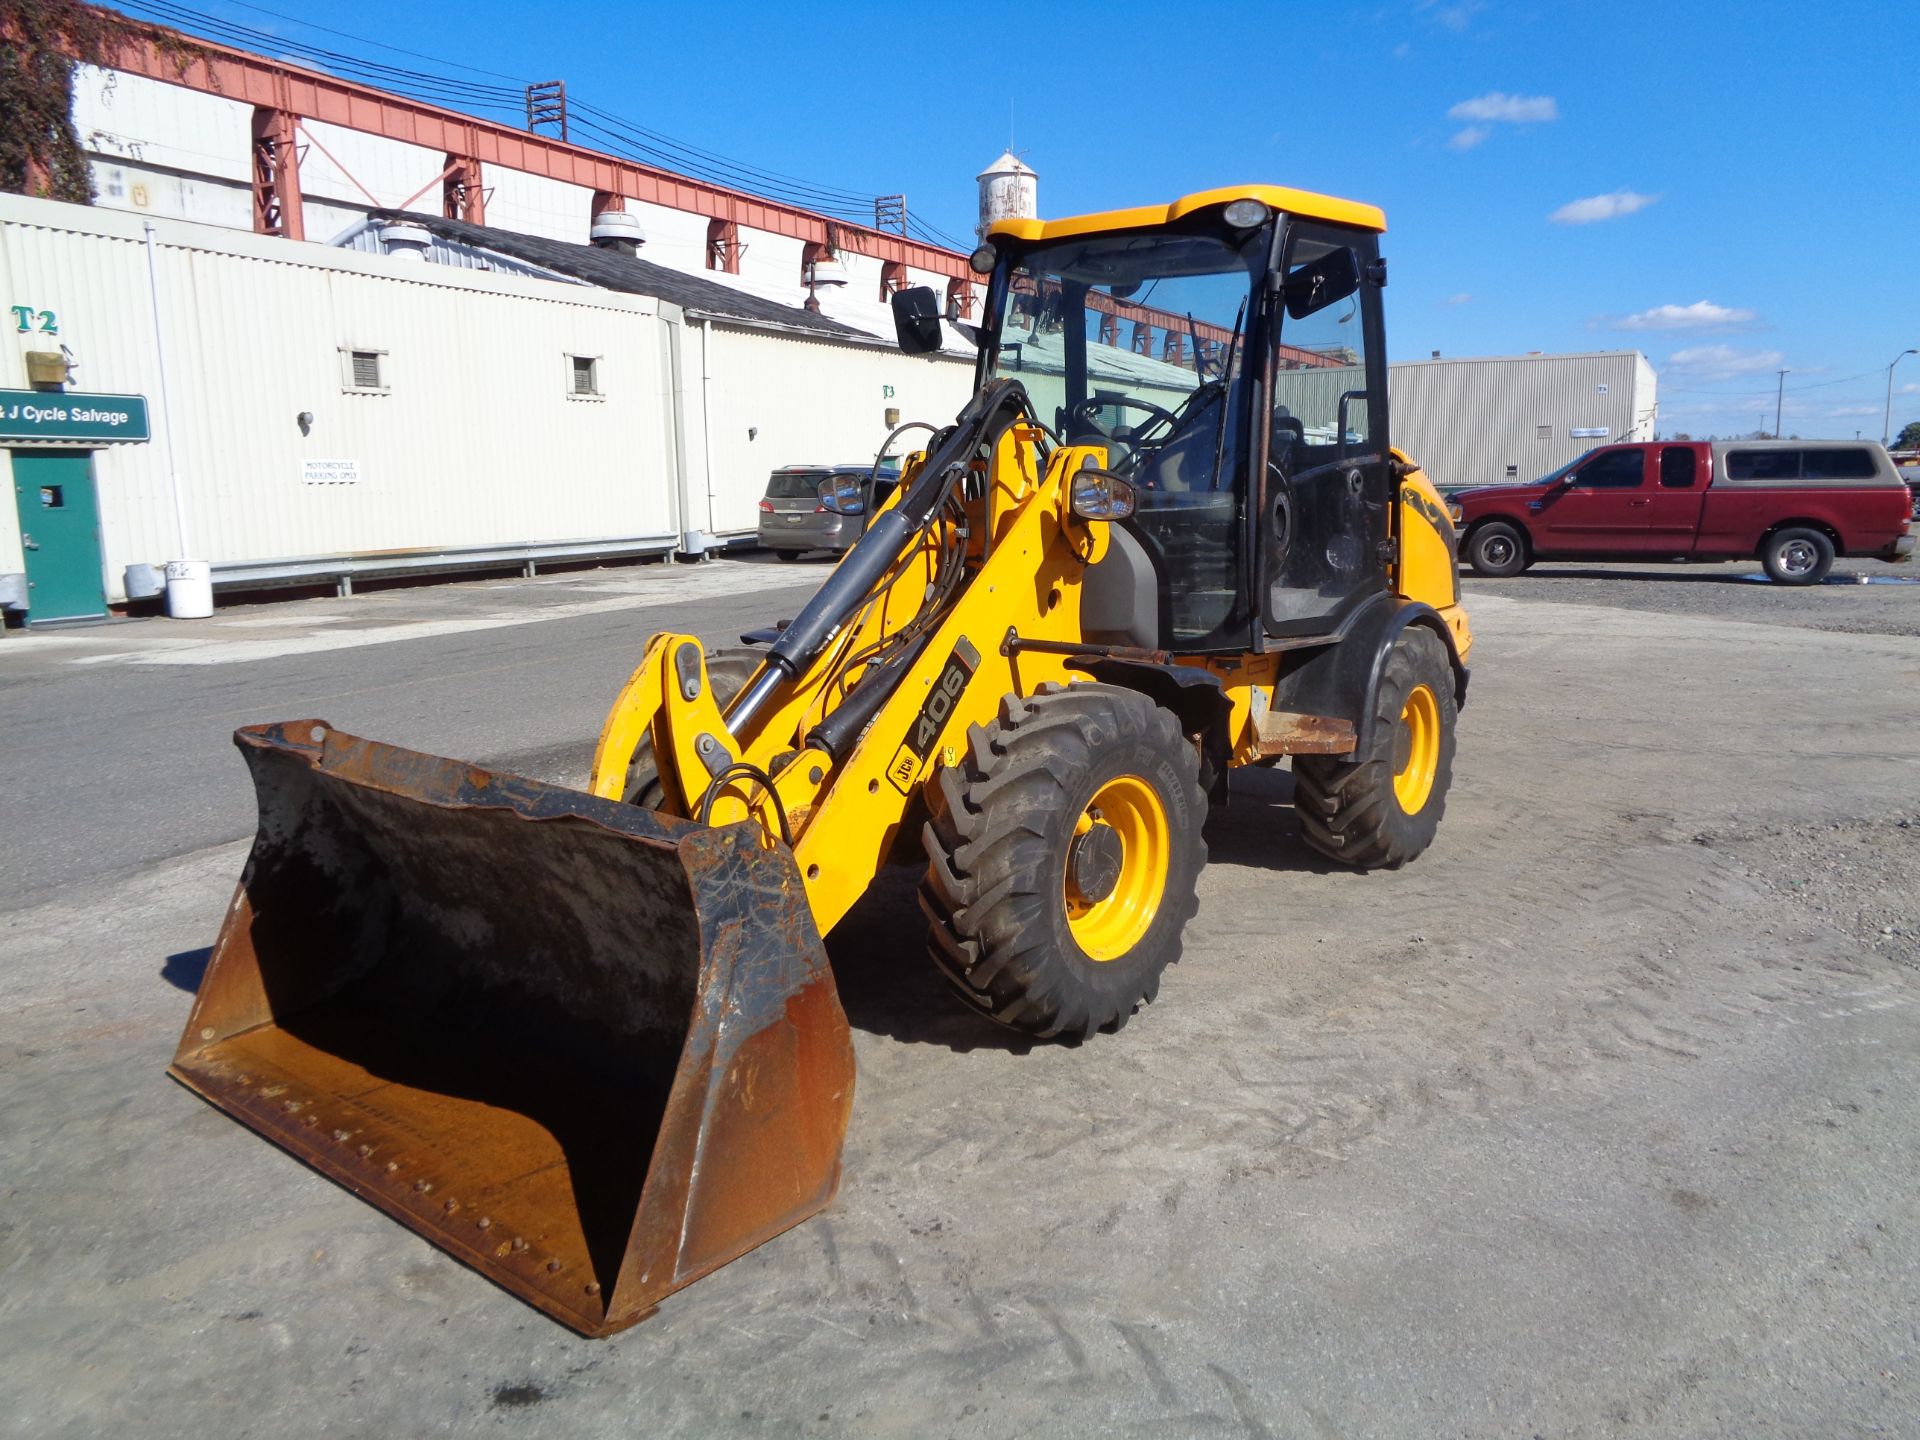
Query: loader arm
point(844, 802)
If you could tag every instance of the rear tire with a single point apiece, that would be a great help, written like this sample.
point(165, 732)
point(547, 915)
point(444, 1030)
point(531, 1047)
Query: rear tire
point(1062, 855)
point(1381, 809)
point(1497, 550)
point(788, 554)
point(1798, 555)
point(727, 672)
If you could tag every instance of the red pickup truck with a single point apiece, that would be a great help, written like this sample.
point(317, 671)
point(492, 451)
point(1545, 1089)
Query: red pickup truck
point(1794, 504)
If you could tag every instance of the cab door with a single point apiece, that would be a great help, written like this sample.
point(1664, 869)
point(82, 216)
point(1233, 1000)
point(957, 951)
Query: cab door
point(1322, 510)
point(1677, 499)
point(1605, 505)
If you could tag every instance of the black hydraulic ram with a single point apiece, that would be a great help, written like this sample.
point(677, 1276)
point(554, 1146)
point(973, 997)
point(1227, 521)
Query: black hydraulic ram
point(867, 563)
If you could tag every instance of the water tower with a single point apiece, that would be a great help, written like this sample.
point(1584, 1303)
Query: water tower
point(1008, 189)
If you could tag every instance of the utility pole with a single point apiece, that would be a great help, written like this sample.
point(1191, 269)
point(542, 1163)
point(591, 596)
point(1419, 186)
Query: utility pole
point(1886, 421)
point(1777, 400)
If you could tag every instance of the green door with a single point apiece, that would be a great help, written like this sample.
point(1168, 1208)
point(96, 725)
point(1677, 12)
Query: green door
point(60, 532)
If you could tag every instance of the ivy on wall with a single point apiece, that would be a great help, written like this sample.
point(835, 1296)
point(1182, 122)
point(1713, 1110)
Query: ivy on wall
point(40, 42)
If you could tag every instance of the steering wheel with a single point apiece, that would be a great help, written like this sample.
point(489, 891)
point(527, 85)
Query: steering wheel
point(1081, 413)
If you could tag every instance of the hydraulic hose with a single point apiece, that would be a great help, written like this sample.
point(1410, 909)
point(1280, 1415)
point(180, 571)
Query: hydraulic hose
point(874, 553)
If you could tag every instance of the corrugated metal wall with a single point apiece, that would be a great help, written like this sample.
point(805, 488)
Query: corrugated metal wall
point(1481, 422)
point(476, 440)
point(778, 400)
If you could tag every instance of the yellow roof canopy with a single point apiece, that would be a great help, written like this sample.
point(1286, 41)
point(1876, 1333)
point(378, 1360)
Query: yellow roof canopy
point(1280, 197)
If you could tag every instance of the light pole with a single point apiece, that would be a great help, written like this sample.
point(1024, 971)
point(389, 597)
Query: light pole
point(1779, 397)
point(1886, 421)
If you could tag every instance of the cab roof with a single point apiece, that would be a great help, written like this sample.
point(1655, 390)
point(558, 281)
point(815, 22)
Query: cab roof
point(1295, 202)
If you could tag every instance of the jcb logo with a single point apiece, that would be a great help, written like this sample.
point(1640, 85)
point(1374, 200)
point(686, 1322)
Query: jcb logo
point(904, 767)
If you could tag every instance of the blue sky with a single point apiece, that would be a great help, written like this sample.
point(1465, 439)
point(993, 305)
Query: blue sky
point(1728, 188)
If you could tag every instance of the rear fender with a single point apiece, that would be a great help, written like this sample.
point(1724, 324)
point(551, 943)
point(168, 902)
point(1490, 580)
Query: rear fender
point(1343, 679)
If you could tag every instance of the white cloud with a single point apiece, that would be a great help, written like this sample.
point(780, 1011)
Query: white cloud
point(1601, 207)
point(1468, 138)
point(1723, 362)
point(1701, 315)
point(1402, 50)
point(1456, 16)
point(1839, 410)
point(1463, 298)
point(1507, 109)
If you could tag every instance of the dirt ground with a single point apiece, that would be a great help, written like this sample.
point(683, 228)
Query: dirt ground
point(1597, 1120)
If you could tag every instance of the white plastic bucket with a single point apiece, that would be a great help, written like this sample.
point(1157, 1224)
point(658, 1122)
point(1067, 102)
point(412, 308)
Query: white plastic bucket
point(189, 589)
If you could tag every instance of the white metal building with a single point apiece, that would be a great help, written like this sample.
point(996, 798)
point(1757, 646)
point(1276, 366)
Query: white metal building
point(334, 413)
point(1487, 421)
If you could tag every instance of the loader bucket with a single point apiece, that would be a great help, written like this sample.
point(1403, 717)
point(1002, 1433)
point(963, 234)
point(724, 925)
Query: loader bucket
point(591, 1051)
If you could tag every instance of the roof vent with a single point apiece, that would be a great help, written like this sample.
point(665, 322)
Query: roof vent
point(406, 239)
point(617, 230)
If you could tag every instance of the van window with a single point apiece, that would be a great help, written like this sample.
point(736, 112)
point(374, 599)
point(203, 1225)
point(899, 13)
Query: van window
point(1848, 464)
point(795, 484)
point(1678, 467)
point(1763, 464)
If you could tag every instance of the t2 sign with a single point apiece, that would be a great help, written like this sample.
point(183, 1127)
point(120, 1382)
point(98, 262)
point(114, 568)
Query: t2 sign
point(29, 321)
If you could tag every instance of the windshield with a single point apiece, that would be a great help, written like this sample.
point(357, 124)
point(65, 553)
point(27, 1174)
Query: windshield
point(1137, 342)
point(794, 484)
point(1112, 335)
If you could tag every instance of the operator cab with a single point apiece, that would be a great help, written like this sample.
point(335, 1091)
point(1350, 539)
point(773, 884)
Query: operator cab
point(1227, 351)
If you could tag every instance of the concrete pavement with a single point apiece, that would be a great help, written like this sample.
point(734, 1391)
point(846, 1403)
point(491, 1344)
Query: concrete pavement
point(1597, 1120)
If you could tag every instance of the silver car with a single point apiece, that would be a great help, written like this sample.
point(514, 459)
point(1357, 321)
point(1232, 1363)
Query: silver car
point(800, 511)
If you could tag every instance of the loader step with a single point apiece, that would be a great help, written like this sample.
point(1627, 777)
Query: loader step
point(1284, 732)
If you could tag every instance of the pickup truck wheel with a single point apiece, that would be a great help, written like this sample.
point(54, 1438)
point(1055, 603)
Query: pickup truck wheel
point(1380, 809)
point(1797, 555)
point(1497, 550)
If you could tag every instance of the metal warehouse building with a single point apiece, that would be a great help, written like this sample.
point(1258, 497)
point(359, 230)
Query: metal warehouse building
point(318, 412)
point(1487, 421)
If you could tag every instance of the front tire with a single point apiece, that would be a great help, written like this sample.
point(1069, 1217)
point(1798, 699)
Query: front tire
point(1797, 555)
point(1497, 550)
point(1063, 852)
point(1381, 809)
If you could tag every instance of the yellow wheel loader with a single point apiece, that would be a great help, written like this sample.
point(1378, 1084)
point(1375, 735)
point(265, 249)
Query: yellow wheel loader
point(590, 1043)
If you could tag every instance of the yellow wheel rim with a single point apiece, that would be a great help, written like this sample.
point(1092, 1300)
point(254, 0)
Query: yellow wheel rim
point(1111, 921)
point(1420, 729)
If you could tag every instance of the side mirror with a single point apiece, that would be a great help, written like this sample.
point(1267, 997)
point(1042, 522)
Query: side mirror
point(1100, 495)
point(916, 320)
point(1314, 286)
point(843, 495)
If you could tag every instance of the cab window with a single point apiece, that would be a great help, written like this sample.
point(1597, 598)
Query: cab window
point(1679, 467)
point(1613, 470)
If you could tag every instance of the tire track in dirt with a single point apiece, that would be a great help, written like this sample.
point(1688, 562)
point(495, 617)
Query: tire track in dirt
point(1656, 959)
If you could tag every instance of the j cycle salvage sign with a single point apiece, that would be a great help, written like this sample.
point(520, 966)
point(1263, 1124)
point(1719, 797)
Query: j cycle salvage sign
point(55, 415)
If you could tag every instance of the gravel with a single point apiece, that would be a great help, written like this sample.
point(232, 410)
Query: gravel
point(1887, 604)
